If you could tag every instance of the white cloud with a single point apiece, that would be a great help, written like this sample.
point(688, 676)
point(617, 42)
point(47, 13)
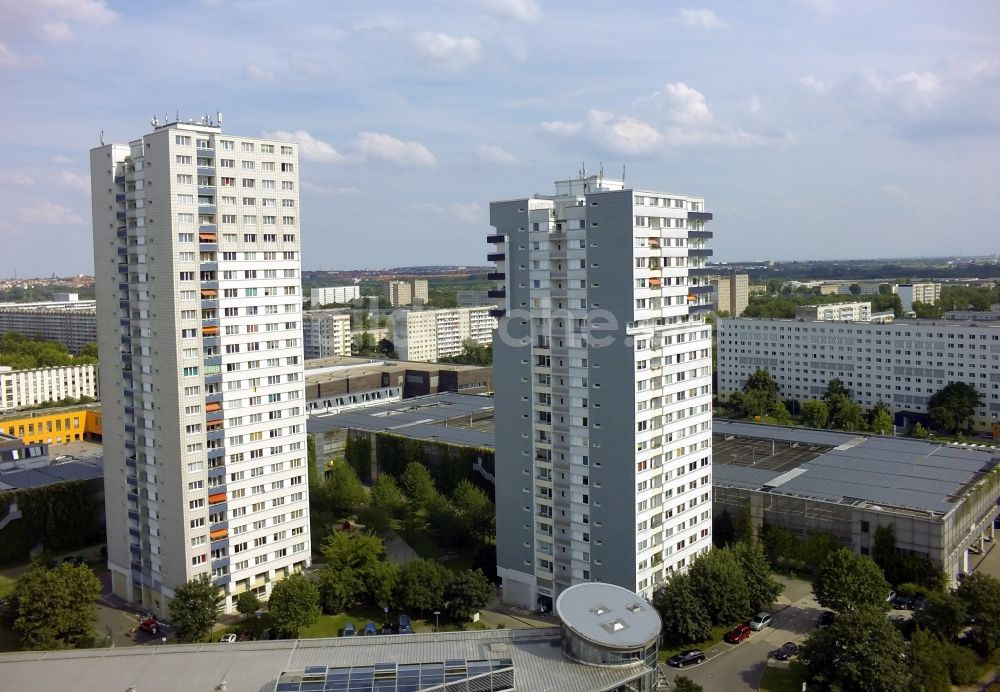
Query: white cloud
point(388, 148)
point(682, 104)
point(86, 11)
point(754, 105)
point(521, 10)
point(310, 148)
point(495, 154)
point(10, 178)
point(616, 133)
point(49, 213)
point(824, 7)
point(56, 31)
point(453, 53)
point(73, 180)
point(256, 73)
point(59, 158)
point(699, 19)
point(7, 57)
point(561, 128)
point(469, 212)
point(308, 67)
point(815, 85)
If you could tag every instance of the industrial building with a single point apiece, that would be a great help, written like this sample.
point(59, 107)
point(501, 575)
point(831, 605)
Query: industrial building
point(940, 499)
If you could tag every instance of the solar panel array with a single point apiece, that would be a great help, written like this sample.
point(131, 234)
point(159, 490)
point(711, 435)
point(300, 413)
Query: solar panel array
point(496, 675)
point(48, 475)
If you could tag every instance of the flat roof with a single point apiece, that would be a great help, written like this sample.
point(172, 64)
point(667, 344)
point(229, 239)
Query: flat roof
point(74, 470)
point(537, 658)
point(608, 615)
point(847, 468)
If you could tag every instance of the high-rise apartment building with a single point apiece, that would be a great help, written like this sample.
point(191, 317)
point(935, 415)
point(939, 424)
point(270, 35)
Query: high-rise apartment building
point(604, 419)
point(928, 293)
point(732, 293)
point(427, 335)
point(72, 323)
point(197, 257)
point(413, 292)
point(333, 294)
point(21, 388)
point(326, 333)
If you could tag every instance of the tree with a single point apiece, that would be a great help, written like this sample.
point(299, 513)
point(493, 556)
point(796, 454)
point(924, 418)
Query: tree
point(382, 583)
point(815, 414)
point(718, 582)
point(951, 408)
point(846, 581)
point(444, 522)
point(760, 393)
point(981, 594)
point(247, 604)
point(945, 615)
point(385, 503)
point(195, 608)
point(351, 564)
point(761, 586)
point(417, 484)
point(845, 414)
point(835, 387)
point(468, 592)
point(386, 348)
point(855, 289)
point(363, 345)
point(683, 683)
point(476, 510)
point(421, 585)
point(861, 650)
point(54, 607)
point(928, 663)
point(683, 615)
point(881, 421)
point(884, 552)
point(294, 604)
point(920, 432)
point(343, 492)
point(780, 413)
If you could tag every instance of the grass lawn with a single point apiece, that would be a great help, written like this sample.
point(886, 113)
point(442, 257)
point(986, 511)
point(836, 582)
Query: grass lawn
point(717, 634)
point(788, 679)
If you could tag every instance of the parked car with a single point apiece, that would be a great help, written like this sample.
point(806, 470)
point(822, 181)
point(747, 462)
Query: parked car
point(760, 621)
point(266, 634)
point(349, 630)
point(901, 602)
point(892, 595)
point(370, 630)
point(228, 638)
point(246, 636)
point(919, 603)
point(687, 658)
point(149, 625)
point(740, 633)
point(787, 650)
point(826, 619)
point(405, 626)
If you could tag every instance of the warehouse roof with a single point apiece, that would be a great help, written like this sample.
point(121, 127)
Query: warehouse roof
point(884, 472)
point(76, 470)
point(535, 654)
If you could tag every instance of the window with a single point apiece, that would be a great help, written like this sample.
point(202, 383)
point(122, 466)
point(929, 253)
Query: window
point(286, 150)
point(185, 179)
point(249, 183)
point(182, 140)
point(287, 167)
point(287, 185)
point(183, 160)
point(248, 147)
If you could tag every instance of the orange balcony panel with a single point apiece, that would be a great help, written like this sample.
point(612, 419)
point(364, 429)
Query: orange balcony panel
point(209, 293)
point(216, 498)
point(218, 533)
point(213, 425)
point(655, 282)
point(210, 331)
point(208, 237)
point(212, 407)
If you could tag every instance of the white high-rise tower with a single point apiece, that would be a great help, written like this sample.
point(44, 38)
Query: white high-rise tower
point(603, 364)
point(197, 264)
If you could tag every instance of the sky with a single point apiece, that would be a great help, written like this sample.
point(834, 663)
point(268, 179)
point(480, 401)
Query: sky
point(815, 129)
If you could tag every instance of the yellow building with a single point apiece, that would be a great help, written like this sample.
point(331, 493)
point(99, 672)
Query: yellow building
point(54, 426)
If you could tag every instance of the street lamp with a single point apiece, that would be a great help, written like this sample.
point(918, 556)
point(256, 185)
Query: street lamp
point(385, 623)
point(437, 623)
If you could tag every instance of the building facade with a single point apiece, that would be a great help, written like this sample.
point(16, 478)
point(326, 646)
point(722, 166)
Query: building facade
point(71, 323)
point(732, 293)
point(413, 292)
point(333, 294)
point(55, 426)
point(426, 335)
point(835, 312)
point(472, 299)
point(21, 388)
point(603, 425)
point(929, 293)
point(326, 333)
point(197, 256)
point(902, 363)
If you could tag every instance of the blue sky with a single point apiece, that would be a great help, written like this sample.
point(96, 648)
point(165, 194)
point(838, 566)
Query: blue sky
point(814, 128)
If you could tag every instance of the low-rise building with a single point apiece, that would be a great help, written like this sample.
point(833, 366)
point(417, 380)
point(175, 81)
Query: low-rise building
point(72, 323)
point(428, 335)
point(23, 388)
point(835, 312)
point(991, 315)
point(333, 294)
point(55, 426)
point(326, 333)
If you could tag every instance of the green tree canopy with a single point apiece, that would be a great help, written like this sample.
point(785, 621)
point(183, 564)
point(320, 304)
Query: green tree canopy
point(475, 509)
point(717, 580)
point(881, 421)
point(195, 608)
point(861, 650)
point(21, 353)
point(761, 586)
point(928, 663)
point(945, 615)
point(381, 583)
point(53, 608)
point(847, 581)
point(417, 484)
point(951, 408)
point(981, 594)
point(760, 393)
point(815, 414)
point(247, 604)
point(473, 353)
point(683, 615)
point(294, 604)
point(422, 585)
point(352, 560)
point(683, 683)
point(845, 414)
point(343, 494)
point(467, 593)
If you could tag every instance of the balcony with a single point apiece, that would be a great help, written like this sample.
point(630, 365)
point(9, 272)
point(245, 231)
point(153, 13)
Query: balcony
point(497, 238)
point(703, 271)
point(699, 290)
point(217, 498)
point(119, 179)
point(204, 152)
point(120, 197)
point(206, 209)
point(700, 234)
point(496, 276)
point(120, 215)
point(496, 257)
point(121, 232)
point(207, 228)
point(497, 293)
point(206, 190)
point(206, 170)
point(699, 216)
point(208, 236)
point(218, 534)
point(699, 252)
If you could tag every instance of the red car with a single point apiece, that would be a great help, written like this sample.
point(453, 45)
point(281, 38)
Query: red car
point(741, 633)
point(150, 625)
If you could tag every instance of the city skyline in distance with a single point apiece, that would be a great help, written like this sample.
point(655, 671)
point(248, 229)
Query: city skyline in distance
point(814, 129)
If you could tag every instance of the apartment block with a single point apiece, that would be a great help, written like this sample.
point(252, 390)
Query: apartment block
point(333, 294)
point(426, 335)
point(326, 333)
point(835, 312)
point(902, 363)
point(604, 422)
point(21, 388)
point(400, 293)
point(70, 323)
point(929, 293)
point(197, 256)
point(732, 293)
point(472, 299)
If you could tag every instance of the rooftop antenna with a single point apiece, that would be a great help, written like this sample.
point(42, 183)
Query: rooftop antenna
point(102, 138)
point(623, 174)
point(218, 116)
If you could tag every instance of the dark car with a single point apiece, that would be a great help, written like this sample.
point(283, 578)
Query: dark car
point(267, 634)
point(740, 633)
point(901, 602)
point(247, 636)
point(919, 603)
point(687, 658)
point(787, 650)
point(349, 630)
point(405, 626)
point(826, 619)
point(370, 630)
